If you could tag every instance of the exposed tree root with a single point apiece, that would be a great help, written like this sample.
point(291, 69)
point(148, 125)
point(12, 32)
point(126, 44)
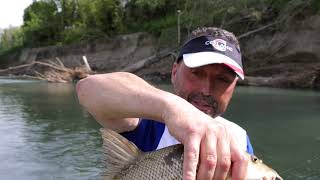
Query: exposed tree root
point(49, 71)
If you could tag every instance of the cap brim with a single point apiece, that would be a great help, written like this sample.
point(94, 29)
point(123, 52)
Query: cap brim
point(193, 60)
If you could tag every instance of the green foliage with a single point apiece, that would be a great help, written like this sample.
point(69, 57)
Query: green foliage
point(316, 5)
point(56, 22)
point(11, 38)
point(41, 24)
point(103, 15)
point(156, 26)
point(49, 22)
point(150, 15)
point(223, 13)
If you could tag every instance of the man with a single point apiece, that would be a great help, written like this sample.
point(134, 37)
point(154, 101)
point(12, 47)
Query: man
point(204, 77)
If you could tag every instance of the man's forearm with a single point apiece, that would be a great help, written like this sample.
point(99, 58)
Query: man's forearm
point(109, 97)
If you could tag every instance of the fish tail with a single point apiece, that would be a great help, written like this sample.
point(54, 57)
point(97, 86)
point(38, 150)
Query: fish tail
point(118, 153)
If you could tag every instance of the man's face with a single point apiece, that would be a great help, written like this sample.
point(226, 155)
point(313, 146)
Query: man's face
point(209, 88)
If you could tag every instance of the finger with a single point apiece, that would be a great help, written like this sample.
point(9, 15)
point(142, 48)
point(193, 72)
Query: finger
point(239, 161)
point(208, 156)
point(191, 157)
point(224, 156)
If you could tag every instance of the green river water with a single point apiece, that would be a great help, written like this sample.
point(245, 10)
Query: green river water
point(45, 134)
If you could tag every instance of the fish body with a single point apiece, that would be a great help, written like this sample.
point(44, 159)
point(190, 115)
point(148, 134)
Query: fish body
point(126, 162)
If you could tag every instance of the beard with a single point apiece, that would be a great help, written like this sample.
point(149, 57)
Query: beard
point(205, 103)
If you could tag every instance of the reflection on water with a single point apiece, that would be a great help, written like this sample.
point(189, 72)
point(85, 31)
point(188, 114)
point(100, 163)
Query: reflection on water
point(45, 134)
point(283, 126)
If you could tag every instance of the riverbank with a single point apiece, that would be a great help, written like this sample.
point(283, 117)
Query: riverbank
point(283, 54)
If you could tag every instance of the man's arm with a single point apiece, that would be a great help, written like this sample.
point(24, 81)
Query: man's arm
point(116, 99)
point(113, 98)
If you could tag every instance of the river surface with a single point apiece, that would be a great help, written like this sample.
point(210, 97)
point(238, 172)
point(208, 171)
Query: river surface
point(45, 134)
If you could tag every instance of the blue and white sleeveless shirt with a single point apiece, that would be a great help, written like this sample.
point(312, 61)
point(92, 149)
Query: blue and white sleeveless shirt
point(151, 135)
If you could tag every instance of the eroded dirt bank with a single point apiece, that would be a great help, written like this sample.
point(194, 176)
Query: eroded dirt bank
point(289, 58)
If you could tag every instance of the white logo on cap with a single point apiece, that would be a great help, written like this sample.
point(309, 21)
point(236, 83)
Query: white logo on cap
point(219, 44)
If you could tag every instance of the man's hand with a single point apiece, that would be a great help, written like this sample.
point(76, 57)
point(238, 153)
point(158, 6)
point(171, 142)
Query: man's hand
point(209, 147)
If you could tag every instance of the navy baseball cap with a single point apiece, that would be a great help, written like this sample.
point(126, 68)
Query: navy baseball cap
point(206, 50)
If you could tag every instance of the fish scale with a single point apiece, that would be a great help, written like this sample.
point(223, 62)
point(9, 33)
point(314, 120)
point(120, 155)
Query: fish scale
point(124, 161)
point(151, 164)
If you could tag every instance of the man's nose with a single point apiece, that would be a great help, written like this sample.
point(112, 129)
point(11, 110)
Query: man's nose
point(207, 87)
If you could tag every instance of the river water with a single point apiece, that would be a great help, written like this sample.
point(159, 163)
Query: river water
point(45, 134)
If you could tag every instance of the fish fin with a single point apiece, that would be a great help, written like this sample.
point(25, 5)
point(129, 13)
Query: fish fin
point(118, 152)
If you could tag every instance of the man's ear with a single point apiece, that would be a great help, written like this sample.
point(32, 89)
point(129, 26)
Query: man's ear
point(174, 72)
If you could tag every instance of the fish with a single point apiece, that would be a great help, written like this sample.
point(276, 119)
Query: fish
point(124, 161)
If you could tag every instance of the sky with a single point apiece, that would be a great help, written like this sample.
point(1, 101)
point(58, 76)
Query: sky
point(11, 12)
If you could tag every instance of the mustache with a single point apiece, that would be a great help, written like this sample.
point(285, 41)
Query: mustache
point(210, 100)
